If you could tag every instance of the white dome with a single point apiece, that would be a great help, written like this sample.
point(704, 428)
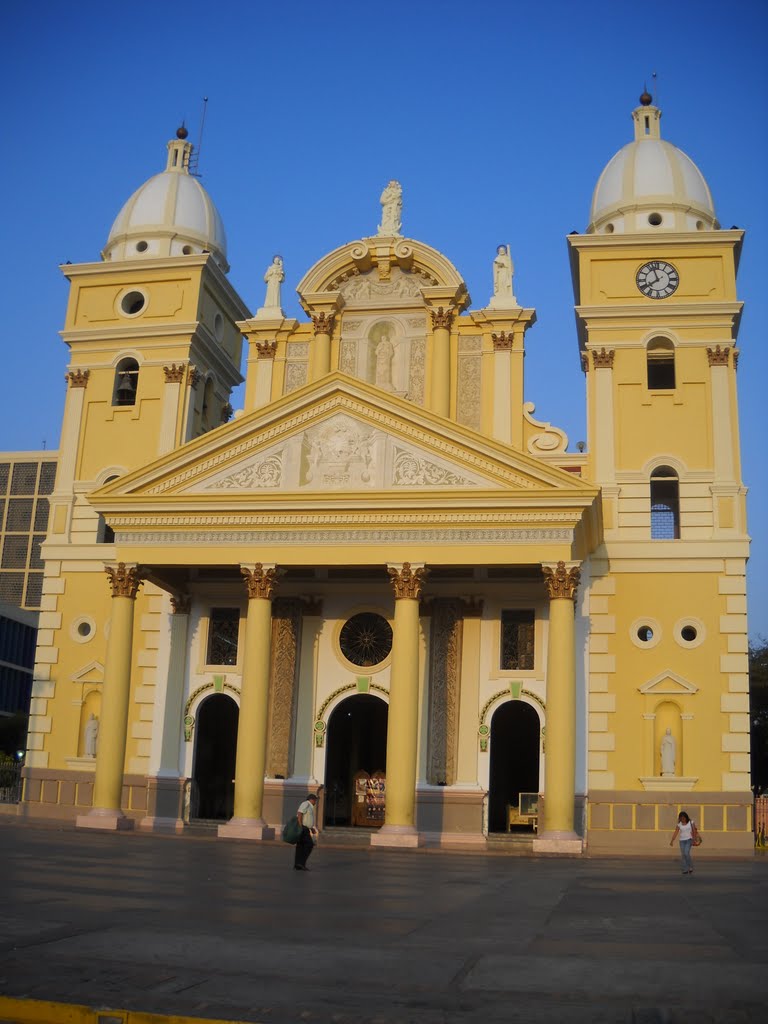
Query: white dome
point(169, 215)
point(651, 185)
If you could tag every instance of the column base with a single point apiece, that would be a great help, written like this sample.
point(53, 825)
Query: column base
point(246, 828)
point(105, 819)
point(558, 842)
point(396, 836)
point(157, 824)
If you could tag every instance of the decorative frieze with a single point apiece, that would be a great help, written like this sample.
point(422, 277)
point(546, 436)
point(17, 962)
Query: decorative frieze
point(603, 360)
point(266, 349)
point(174, 374)
point(445, 680)
point(260, 582)
point(441, 318)
point(124, 581)
point(322, 323)
point(283, 689)
point(407, 581)
point(718, 356)
point(77, 378)
point(561, 582)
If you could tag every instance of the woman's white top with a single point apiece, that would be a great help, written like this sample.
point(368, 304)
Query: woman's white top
point(686, 831)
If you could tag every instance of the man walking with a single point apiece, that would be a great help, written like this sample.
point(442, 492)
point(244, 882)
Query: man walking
point(306, 818)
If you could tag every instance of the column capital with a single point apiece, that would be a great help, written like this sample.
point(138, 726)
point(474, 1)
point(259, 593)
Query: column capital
point(266, 349)
point(603, 359)
point(322, 323)
point(124, 580)
point(181, 604)
point(260, 580)
point(584, 357)
point(193, 377)
point(174, 374)
point(407, 580)
point(718, 356)
point(561, 580)
point(77, 378)
point(442, 317)
point(503, 341)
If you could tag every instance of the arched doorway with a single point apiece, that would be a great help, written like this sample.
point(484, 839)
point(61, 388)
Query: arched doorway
point(356, 740)
point(215, 748)
point(514, 765)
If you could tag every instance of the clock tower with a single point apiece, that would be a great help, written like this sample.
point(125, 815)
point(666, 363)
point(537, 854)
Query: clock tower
point(658, 316)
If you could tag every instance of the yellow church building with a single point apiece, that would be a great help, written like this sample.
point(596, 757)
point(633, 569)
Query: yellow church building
point(384, 576)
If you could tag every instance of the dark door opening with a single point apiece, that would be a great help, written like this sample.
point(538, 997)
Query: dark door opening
point(356, 740)
point(215, 747)
point(514, 761)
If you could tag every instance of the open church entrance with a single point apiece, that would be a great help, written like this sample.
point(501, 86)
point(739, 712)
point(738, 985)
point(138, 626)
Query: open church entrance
point(514, 766)
point(356, 742)
point(214, 770)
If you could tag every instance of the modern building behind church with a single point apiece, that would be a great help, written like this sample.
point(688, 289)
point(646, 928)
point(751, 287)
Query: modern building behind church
point(385, 576)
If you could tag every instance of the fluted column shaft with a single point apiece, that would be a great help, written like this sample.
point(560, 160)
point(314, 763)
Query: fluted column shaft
point(321, 347)
point(441, 361)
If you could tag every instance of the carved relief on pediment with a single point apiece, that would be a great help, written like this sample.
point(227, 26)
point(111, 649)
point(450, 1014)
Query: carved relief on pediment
point(370, 290)
point(411, 469)
point(260, 475)
point(339, 454)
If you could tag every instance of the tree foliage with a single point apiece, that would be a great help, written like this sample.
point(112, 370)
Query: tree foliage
point(758, 706)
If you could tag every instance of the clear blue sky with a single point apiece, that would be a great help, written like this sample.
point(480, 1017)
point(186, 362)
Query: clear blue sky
point(496, 116)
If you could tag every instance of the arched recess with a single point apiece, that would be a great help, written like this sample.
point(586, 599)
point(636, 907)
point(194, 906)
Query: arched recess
point(515, 756)
point(356, 741)
point(660, 360)
point(213, 773)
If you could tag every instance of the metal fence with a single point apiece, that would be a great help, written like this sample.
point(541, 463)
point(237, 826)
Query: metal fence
point(10, 783)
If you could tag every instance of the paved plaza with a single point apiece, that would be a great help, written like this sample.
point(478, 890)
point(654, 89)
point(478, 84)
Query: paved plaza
point(200, 927)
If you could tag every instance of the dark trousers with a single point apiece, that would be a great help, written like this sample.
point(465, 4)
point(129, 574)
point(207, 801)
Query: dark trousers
point(303, 848)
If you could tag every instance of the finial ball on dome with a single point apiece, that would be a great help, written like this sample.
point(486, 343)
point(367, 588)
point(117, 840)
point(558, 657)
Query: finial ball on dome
point(646, 99)
point(181, 133)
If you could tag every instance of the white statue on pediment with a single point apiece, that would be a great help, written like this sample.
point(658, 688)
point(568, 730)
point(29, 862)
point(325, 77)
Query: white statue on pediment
point(503, 272)
point(273, 278)
point(391, 209)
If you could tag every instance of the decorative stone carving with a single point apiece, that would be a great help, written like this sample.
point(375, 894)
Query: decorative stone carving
point(550, 441)
point(445, 677)
point(391, 209)
point(417, 371)
point(174, 374)
point(369, 288)
point(194, 377)
point(407, 581)
point(260, 582)
point(411, 470)
point(736, 359)
point(283, 689)
point(441, 318)
point(503, 271)
point(77, 378)
point(295, 376)
point(584, 358)
point(124, 581)
point(502, 342)
point(91, 736)
point(259, 475)
point(603, 359)
point(385, 352)
point(338, 454)
point(266, 349)
point(468, 397)
point(323, 323)
point(273, 278)
point(561, 582)
point(718, 356)
point(668, 753)
point(181, 604)
point(226, 413)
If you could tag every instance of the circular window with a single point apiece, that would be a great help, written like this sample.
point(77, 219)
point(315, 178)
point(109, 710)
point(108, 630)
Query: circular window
point(142, 246)
point(609, 229)
point(645, 633)
point(132, 303)
point(218, 326)
point(699, 225)
point(366, 639)
point(83, 629)
point(187, 250)
point(689, 632)
point(654, 219)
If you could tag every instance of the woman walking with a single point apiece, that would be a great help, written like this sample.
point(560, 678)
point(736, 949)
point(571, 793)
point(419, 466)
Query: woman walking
point(687, 832)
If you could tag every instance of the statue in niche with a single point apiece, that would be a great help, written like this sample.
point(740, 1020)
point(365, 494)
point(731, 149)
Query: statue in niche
point(91, 736)
point(391, 209)
point(385, 352)
point(503, 271)
point(668, 752)
point(273, 278)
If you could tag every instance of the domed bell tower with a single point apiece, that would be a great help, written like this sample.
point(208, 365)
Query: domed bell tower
point(154, 346)
point(658, 317)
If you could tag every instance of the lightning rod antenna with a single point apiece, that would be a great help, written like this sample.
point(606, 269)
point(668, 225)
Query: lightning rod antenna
point(655, 79)
point(195, 161)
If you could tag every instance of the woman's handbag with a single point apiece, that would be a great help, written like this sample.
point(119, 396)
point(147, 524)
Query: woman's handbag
point(292, 831)
point(697, 840)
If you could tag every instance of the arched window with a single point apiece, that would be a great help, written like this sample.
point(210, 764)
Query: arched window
point(104, 532)
point(126, 382)
point(661, 364)
point(665, 504)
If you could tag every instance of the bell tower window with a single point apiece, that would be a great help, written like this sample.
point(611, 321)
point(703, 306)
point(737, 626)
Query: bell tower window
point(661, 364)
point(665, 504)
point(126, 382)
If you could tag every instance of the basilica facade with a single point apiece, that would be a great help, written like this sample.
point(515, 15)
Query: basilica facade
point(384, 576)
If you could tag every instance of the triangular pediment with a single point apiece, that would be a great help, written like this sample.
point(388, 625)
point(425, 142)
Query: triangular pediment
point(668, 683)
point(339, 436)
point(93, 672)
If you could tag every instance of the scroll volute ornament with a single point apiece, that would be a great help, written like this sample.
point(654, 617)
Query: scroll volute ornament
point(561, 582)
point(442, 318)
point(407, 582)
point(323, 323)
point(124, 581)
point(259, 581)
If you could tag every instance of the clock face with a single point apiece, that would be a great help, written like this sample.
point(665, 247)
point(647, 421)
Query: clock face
point(657, 279)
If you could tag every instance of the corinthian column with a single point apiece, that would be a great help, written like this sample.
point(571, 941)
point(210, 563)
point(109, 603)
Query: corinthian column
point(247, 821)
point(124, 582)
point(441, 360)
point(557, 834)
point(321, 347)
point(399, 827)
